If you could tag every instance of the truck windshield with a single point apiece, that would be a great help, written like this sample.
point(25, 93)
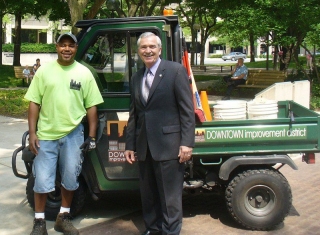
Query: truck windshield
point(114, 58)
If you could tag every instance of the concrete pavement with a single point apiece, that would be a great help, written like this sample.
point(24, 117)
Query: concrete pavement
point(207, 214)
point(203, 214)
point(16, 215)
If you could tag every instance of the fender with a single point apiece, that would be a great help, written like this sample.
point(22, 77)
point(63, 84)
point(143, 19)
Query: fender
point(228, 166)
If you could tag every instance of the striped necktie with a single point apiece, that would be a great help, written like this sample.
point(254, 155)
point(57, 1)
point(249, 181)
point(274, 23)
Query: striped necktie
point(147, 84)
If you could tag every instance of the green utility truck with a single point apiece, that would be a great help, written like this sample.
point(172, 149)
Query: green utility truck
point(242, 158)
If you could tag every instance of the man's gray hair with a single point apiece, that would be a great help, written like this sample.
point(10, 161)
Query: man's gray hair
point(149, 34)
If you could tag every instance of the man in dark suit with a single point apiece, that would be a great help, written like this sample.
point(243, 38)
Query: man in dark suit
point(160, 130)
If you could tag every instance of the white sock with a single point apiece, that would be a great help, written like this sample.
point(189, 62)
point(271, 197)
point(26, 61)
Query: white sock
point(39, 215)
point(63, 210)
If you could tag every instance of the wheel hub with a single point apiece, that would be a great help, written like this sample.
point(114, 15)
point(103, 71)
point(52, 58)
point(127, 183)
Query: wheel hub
point(260, 200)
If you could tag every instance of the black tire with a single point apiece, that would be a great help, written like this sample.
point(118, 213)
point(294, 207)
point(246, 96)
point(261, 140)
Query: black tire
point(54, 199)
point(259, 199)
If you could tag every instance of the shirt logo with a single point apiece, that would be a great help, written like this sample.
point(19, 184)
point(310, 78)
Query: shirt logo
point(74, 85)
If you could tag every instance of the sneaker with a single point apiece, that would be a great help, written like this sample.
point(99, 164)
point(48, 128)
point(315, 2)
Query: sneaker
point(39, 227)
point(63, 224)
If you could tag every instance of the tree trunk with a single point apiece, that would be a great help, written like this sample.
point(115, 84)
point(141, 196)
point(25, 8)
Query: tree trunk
point(285, 58)
point(252, 51)
point(193, 47)
point(282, 55)
point(202, 52)
point(76, 8)
point(17, 40)
point(275, 57)
point(94, 9)
point(202, 46)
point(1, 32)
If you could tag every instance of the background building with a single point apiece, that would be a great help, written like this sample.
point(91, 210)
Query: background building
point(34, 30)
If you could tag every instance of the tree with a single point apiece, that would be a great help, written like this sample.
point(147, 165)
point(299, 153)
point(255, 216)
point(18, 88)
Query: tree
point(86, 9)
point(76, 8)
point(193, 13)
point(291, 21)
point(286, 24)
point(242, 23)
point(19, 10)
point(1, 31)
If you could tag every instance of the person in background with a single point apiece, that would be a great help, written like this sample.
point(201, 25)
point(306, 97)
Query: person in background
point(66, 91)
point(309, 61)
point(238, 76)
point(160, 131)
point(36, 66)
point(27, 74)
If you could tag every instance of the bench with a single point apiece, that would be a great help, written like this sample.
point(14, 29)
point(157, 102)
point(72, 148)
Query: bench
point(201, 67)
point(204, 67)
point(18, 73)
point(259, 78)
point(221, 67)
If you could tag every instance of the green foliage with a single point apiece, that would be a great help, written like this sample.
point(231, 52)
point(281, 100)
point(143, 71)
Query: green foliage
point(7, 78)
point(215, 56)
point(313, 36)
point(218, 87)
point(36, 8)
point(12, 103)
point(201, 77)
point(315, 96)
point(31, 48)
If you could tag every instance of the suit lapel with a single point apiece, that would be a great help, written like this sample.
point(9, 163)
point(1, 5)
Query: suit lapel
point(139, 85)
point(157, 78)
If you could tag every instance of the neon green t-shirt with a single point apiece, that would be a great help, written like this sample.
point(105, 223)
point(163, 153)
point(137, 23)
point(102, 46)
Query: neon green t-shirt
point(63, 93)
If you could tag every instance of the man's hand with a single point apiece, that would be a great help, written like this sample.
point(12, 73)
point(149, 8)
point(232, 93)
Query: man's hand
point(129, 154)
point(184, 153)
point(33, 143)
point(88, 144)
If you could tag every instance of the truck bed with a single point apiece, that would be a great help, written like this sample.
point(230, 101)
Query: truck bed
point(295, 130)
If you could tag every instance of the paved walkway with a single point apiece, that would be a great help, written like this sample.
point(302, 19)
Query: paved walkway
point(16, 216)
point(207, 214)
point(120, 214)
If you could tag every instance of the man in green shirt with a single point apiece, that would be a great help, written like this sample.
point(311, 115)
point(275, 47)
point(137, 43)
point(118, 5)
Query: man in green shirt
point(62, 92)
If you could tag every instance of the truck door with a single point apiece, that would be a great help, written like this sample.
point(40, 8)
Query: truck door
point(112, 56)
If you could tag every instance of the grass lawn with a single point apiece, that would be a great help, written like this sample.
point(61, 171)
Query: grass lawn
point(12, 103)
point(7, 78)
point(257, 64)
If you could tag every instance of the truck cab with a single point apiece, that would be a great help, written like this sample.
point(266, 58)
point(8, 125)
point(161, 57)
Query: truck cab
point(108, 47)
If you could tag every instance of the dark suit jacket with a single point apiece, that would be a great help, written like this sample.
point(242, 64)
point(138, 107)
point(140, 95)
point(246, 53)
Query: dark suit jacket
point(167, 120)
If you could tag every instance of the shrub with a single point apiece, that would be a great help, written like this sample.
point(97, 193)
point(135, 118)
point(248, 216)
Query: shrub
point(315, 96)
point(31, 48)
point(216, 56)
point(12, 103)
point(218, 87)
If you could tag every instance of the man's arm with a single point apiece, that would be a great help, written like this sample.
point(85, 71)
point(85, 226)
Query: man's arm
point(90, 142)
point(235, 68)
point(92, 117)
point(33, 115)
point(131, 126)
point(187, 117)
point(239, 76)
